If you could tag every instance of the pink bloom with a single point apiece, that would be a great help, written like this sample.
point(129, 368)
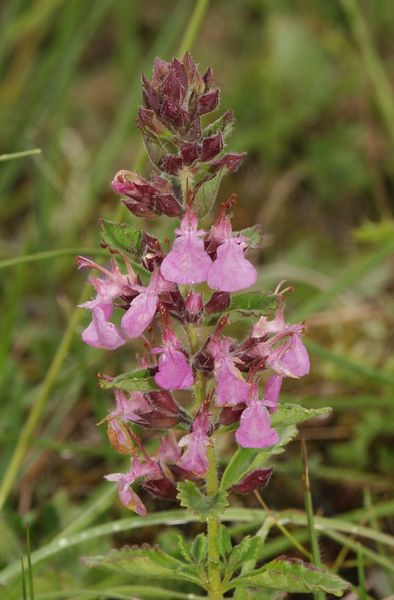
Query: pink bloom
point(272, 391)
point(276, 325)
point(291, 359)
point(174, 373)
point(255, 429)
point(231, 389)
point(187, 262)
point(169, 450)
point(142, 309)
point(231, 271)
point(101, 333)
point(138, 471)
point(195, 458)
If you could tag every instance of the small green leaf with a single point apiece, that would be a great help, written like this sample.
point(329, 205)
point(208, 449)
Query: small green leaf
point(205, 506)
point(140, 380)
point(224, 124)
point(199, 549)
point(253, 236)
point(248, 549)
point(292, 414)
point(184, 549)
point(143, 561)
point(246, 460)
point(207, 190)
point(292, 575)
point(122, 238)
point(253, 302)
point(224, 541)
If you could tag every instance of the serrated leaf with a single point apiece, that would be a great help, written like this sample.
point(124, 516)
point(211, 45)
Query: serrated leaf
point(253, 236)
point(246, 460)
point(184, 549)
point(121, 237)
point(292, 414)
point(207, 191)
point(293, 575)
point(145, 561)
point(140, 380)
point(248, 549)
point(193, 499)
point(199, 549)
point(224, 541)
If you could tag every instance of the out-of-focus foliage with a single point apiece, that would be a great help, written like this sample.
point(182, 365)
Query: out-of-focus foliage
point(313, 113)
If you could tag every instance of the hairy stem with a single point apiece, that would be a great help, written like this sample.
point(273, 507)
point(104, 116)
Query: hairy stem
point(213, 524)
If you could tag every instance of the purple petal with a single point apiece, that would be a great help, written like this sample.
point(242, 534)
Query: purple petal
point(291, 359)
point(272, 391)
point(174, 372)
point(231, 271)
point(195, 457)
point(255, 429)
point(231, 389)
point(140, 314)
point(187, 262)
point(101, 333)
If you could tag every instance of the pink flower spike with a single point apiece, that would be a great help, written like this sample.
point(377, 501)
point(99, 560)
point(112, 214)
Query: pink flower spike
point(174, 373)
point(187, 262)
point(101, 333)
point(231, 271)
point(291, 359)
point(272, 391)
point(255, 429)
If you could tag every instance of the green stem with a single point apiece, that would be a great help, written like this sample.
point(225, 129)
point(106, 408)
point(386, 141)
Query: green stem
point(49, 254)
point(213, 524)
point(23, 154)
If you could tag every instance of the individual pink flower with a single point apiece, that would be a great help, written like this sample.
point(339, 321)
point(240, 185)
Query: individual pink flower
point(174, 373)
point(272, 391)
point(277, 325)
point(101, 333)
point(138, 471)
point(142, 309)
point(290, 359)
point(231, 271)
point(195, 458)
point(187, 262)
point(231, 389)
point(255, 429)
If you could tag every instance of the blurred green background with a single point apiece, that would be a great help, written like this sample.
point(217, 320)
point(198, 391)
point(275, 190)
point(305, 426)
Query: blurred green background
point(311, 85)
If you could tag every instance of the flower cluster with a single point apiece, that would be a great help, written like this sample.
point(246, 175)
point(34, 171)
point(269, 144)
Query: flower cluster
point(180, 294)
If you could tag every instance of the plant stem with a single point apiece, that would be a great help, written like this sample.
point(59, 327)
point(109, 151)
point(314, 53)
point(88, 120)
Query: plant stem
point(213, 524)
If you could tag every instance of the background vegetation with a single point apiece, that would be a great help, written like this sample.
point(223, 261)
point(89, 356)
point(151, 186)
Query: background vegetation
point(310, 82)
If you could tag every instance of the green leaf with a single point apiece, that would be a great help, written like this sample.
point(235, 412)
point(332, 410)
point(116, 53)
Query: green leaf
point(144, 561)
point(224, 124)
point(207, 190)
point(121, 237)
point(140, 380)
point(292, 414)
point(253, 236)
point(292, 575)
point(205, 506)
point(246, 460)
point(199, 549)
point(224, 541)
point(184, 549)
point(253, 302)
point(248, 549)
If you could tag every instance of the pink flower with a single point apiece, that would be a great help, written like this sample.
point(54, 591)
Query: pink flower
point(142, 309)
point(187, 262)
point(291, 359)
point(231, 271)
point(276, 325)
point(255, 429)
point(138, 471)
point(195, 458)
point(174, 373)
point(101, 333)
point(272, 391)
point(231, 389)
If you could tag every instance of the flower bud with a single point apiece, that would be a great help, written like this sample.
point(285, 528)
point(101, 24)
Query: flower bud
point(253, 481)
point(194, 306)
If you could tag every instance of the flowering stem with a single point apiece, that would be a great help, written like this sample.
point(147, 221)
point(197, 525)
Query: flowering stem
point(213, 524)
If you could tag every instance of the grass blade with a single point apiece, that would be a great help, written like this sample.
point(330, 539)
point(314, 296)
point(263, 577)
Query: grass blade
point(23, 154)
